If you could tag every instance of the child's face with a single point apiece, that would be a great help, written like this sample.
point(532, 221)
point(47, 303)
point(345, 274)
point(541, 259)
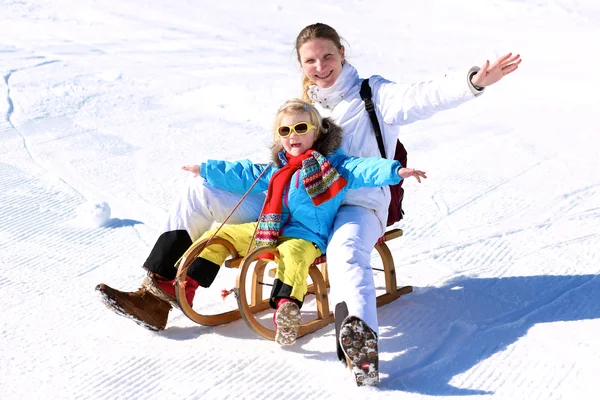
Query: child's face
point(297, 144)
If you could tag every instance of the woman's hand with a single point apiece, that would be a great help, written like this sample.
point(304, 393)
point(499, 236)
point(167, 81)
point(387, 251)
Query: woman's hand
point(408, 172)
point(194, 169)
point(490, 74)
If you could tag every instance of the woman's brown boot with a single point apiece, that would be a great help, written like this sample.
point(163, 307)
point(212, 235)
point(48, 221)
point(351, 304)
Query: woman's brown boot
point(142, 306)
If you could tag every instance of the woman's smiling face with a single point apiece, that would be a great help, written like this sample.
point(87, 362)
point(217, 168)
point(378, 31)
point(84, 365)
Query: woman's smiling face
point(296, 144)
point(321, 61)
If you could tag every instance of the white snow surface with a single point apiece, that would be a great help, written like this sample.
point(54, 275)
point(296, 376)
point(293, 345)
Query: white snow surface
point(108, 99)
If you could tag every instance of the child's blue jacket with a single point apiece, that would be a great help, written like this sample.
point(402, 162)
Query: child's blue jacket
point(300, 217)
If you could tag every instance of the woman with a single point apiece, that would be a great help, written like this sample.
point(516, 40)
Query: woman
point(332, 84)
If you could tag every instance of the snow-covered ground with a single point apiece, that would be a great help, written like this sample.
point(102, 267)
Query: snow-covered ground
point(103, 101)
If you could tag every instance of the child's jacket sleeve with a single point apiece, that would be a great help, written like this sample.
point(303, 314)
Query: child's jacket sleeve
point(235, 176)
point(368, 171)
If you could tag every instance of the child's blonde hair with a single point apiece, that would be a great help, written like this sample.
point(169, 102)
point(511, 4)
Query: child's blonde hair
point(291, 107)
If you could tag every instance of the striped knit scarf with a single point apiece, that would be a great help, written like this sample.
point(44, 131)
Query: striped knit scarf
point(321, 180)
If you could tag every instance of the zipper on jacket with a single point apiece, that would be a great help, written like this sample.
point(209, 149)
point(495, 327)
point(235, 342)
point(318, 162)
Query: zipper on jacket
point(286, 194)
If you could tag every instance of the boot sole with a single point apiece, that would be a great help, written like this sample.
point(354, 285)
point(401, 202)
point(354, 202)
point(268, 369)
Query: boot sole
point(288, 320)
point(114, 306)
point(359, 345)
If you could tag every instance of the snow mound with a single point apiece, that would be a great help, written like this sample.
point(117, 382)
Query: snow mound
point(93, 214)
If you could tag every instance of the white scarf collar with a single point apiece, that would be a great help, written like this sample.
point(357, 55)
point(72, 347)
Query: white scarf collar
point(330, 97)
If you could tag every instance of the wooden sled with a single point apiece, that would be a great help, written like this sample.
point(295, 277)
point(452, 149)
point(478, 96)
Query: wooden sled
point(254, 268)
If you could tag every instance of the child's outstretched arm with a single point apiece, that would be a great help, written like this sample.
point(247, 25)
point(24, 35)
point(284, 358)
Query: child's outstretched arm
point(408, 172)
point(373, 171)
point(233, 176)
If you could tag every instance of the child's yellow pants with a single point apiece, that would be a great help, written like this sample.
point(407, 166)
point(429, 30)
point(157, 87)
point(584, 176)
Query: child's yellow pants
point(295, 257)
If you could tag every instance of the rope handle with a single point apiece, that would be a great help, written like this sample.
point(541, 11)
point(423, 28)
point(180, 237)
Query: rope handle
point(225, 293)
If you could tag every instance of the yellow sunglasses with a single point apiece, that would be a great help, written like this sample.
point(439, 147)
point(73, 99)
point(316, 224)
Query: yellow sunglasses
point(301, 128)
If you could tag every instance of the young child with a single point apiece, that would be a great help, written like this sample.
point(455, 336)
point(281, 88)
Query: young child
point(305, 188)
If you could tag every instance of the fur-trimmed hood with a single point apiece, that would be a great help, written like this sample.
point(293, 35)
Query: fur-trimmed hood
point(328, 142)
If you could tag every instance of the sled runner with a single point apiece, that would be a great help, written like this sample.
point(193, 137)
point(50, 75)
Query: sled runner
point(254, 268)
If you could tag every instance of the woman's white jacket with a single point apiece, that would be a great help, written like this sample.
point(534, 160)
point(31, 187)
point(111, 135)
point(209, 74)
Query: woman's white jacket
point(396, 105)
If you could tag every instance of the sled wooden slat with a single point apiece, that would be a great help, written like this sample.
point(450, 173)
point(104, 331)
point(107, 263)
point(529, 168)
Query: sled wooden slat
point(254, 267)
point(391, 234)
point(256, 288)
point(233, 262)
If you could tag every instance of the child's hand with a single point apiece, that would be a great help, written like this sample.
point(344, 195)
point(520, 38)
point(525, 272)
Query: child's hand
point(408, 172)
point(194, 169)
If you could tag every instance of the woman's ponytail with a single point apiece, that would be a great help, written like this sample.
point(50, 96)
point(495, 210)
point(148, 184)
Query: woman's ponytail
point(305, 84)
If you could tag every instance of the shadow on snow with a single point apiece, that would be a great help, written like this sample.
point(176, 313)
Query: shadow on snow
point(455, 327)
point(115, 223)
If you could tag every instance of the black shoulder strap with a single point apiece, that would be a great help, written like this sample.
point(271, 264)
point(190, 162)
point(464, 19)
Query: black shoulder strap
point(366, 95)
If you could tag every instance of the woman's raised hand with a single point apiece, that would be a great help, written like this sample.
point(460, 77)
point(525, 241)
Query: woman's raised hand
point(490, 74)
point(408, 172)
point(194, 169)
